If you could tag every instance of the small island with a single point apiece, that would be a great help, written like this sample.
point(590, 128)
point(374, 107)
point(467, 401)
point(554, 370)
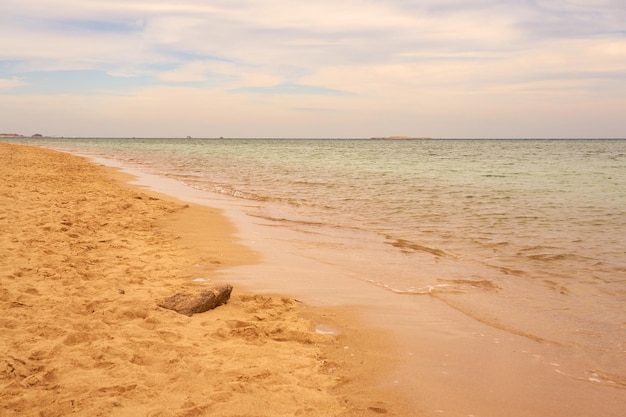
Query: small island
point(17, 135)
point(399, 138)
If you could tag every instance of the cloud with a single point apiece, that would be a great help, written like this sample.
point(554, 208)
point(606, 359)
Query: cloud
point(381, 59)
point(291, 88)
point(6, 84)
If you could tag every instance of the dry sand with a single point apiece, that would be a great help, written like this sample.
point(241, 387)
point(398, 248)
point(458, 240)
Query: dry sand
point(84, 260)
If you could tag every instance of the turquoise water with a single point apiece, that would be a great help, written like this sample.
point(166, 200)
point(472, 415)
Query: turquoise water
point(532, 232)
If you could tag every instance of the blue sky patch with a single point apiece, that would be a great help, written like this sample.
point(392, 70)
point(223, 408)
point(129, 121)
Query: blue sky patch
point(97, 26)
point(85, 82)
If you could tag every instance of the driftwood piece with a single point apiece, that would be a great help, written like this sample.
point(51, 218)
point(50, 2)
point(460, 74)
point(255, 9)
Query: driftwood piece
point(198, 302)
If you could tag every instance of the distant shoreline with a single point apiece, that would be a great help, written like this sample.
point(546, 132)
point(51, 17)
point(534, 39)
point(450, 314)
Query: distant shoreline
point(399, 138)
point(17, 135)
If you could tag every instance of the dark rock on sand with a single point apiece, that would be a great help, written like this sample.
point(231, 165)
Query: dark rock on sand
point(199, 302)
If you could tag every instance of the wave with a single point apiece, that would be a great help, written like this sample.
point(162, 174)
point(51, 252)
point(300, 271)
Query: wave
point(285, 220)
point(552, 257)
point(443, 286)
point(406, 245)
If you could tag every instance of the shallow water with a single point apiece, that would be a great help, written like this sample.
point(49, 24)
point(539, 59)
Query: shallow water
point(527, 236)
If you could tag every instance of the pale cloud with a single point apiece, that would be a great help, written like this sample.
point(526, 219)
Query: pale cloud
point(292, 89)
point(195, 71)
point(409, 64)
point(10, 83)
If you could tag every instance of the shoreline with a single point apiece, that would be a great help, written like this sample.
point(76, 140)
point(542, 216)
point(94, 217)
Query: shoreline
point(88, 256)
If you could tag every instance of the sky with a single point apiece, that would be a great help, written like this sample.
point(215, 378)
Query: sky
point(313, 69)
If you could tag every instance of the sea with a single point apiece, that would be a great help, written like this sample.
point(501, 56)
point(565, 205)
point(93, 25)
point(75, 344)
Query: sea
point(527, 236)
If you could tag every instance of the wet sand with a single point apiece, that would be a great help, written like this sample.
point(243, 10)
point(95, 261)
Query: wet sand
point(84, 260)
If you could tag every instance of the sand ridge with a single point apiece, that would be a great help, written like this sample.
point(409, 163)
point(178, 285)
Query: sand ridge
point(83, 262)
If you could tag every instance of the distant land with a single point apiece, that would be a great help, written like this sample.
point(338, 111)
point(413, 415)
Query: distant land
point(37, 135)
point(399, 138)
point(17, 135)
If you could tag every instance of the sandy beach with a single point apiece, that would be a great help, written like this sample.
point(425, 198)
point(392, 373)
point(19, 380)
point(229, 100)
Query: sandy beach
point(84, 261)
